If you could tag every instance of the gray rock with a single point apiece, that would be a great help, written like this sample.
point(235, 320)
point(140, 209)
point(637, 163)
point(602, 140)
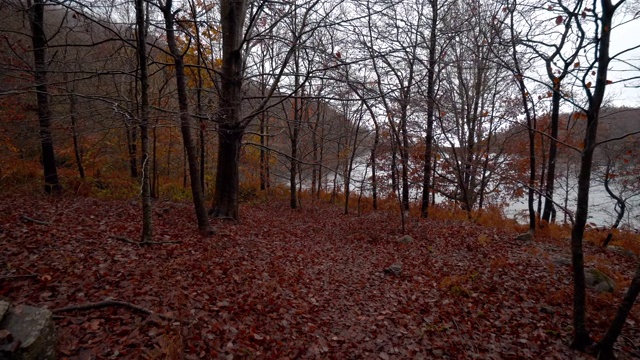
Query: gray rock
point(561, 262)
point(32, 334)
point(405, 239)
point(395, 269)
point(525, 237)
point(4, 307)
point(598, 280)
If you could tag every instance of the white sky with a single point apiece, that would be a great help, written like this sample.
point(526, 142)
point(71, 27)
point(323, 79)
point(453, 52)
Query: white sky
point(625, 37)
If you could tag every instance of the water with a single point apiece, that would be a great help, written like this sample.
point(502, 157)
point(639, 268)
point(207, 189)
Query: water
point(601, 207)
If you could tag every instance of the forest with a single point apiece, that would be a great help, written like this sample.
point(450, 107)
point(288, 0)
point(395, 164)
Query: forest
point(320, 179)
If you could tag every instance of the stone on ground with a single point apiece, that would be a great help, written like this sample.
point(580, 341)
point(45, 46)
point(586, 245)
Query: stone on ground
point(29, 333)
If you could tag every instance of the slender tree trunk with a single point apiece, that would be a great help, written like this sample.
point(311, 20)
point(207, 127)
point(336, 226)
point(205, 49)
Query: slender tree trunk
point(374, 167)
point(39, 42)
point(352, 157)
point(541, 185)
point(581, 338)
point(141, 49)
point(133, 150)
point(531, 125)
point(621, 206)
point(404, 158)
point(394, 168)
point(428, 141)
point(155, 182)
point(264, 159)
point(553, 153)
point(199, 84)
point(185, 169)
point(295, 132)
point(314, 156)
point(566, 191)
point(605, 346)
point(433, 180)
point(185, 124)
point(77, 150)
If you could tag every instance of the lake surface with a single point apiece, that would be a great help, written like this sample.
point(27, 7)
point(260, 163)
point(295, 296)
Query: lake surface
point(601, 207)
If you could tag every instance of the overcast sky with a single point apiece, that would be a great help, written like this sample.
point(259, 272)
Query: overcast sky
point(625, 37)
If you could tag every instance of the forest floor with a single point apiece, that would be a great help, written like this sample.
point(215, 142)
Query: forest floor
point(308, 283)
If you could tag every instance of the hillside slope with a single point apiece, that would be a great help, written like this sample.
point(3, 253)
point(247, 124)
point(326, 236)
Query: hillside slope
point(297, 284)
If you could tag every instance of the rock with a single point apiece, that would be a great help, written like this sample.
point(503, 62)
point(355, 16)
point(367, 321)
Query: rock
point(4, 307)
point(395, 269)
point(405, 239)
point(561, 262)
point(621, 250)
point(525, 237)
point(598, 280)
point(30, 332)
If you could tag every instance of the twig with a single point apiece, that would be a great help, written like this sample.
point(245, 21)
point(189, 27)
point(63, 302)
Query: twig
point(110, 302)
point(141, 243)
point(15, 277)
point(24, 217)
point(630, 341)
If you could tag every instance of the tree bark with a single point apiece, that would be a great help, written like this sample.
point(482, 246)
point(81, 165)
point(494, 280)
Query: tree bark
point(77, 151)
point(621, 206)
point(227, 174)
point(581, 338)
point(231, 130)
point(39, 42)
point(428, 141)
point(531, 124)
point(605, 346)
point(141, 49)
point(553, 154)
point(185, 124)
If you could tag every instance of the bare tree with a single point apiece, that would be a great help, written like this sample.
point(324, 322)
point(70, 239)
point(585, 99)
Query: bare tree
point(185, 121)
point(39, 41)
point(141, 49)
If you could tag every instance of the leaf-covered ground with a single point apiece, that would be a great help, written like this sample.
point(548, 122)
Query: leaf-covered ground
point(286, 284)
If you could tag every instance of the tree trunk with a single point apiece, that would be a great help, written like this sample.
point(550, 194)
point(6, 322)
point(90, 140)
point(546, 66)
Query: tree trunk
point(155, 182)
point(199, 84)
point(294, 135)
point(428, 141)
point(39, 41)
point(404, 158)
point(581, 338)
point(133, 149)
point(227, 174)
point(621, 206)
point(553, 154)
point(185, 124)
point(231, 129)
point(141, 49)
point(77, 151)
point(605, 346)
point(531, 124)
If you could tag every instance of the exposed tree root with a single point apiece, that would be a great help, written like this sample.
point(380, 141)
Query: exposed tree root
point(142, 243)
point(110, 302)
point(40, 222)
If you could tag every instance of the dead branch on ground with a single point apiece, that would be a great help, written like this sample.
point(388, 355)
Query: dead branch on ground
point(111, 302)
point(40, 222)
point(142, 243)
